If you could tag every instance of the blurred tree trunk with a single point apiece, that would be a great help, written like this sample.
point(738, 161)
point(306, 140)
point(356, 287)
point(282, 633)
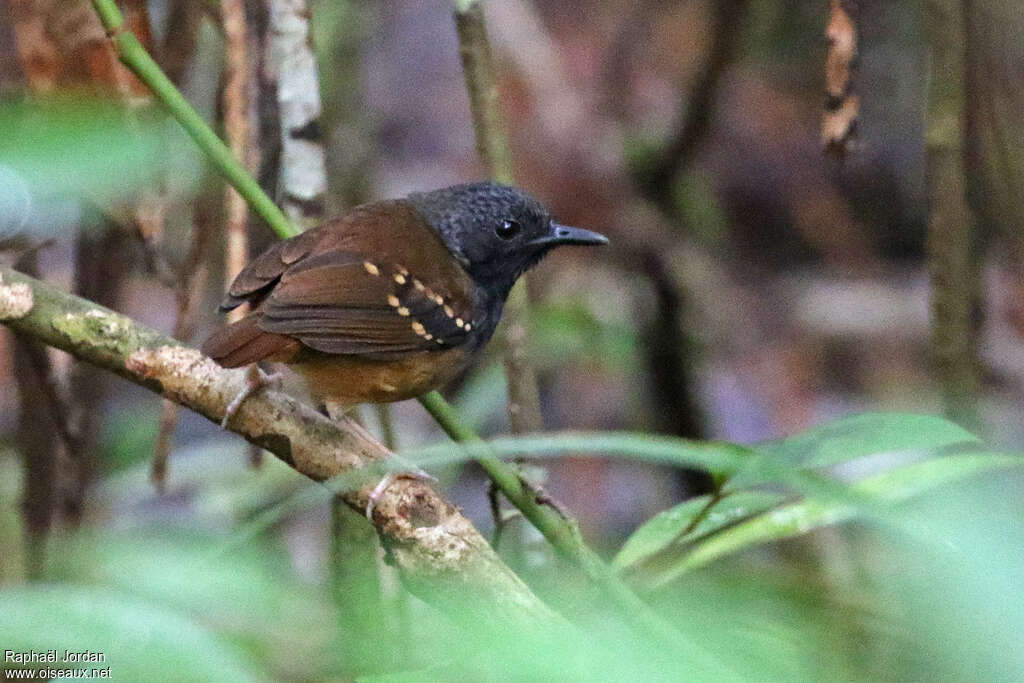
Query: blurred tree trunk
point(994, 130)
point(61, 46)
point(342, 30)
point(953, 248)
point(100, 270)
point(994, 117)
point(291, 68)
point(38, 442)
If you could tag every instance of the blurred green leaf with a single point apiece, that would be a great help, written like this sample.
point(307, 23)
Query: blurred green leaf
point(712, 455)
point(692, 519)
point(55, 152)
point(141, 641)
point(857, 436)
point(129, 435)
point(830, 444)
point(76, 145)
point(248, 595)
point(567, 332)
point(802, 517)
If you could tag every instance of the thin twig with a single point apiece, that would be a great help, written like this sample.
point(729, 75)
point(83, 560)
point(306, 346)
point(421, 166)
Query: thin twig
point(100, 273)
point(493, 149)
point(498, 517)
point(994, 135)
point(38, 443)
point(668, 347)
point(495, 154)
point(39, 446)
point(191, 282)
point(238, 86)
point(237, 82)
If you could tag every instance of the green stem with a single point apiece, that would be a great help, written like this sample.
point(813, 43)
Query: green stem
point(110, 16)
point(559, 531)
point(133, 55)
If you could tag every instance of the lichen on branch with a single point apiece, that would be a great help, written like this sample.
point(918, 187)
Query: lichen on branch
point(15, 300)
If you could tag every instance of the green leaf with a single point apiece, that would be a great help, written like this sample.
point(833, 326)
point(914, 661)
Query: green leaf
point(667, 528)
point(140, 641)
point(829, 444)
point(666, 450)
point(660, 531)
point(867, 434)
point(799, 518)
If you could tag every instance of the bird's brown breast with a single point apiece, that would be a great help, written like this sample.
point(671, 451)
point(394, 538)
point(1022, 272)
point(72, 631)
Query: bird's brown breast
point(349, 380)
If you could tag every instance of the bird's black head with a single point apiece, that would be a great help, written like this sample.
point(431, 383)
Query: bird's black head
point(496, 232)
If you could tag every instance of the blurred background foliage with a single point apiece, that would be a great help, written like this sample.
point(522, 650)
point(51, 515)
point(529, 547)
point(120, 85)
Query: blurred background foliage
point(755, 289)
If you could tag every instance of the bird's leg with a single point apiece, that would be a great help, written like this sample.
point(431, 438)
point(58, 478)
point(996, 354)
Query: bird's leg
point(255, 379)
point(338, 411)
point(389, 479)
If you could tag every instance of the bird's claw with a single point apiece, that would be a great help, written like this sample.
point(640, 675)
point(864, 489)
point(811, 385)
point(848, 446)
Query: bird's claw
point(255, 379)
point(389, 479)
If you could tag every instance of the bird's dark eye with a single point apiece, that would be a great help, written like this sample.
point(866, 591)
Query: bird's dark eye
point(508, 229)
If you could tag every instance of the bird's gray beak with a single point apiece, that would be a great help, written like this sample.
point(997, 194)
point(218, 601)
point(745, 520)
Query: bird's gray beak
point(564, 234)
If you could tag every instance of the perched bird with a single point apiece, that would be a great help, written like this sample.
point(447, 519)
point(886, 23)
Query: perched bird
point(391, 300)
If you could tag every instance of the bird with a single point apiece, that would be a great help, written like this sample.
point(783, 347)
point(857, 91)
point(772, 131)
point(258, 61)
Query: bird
point(392, 299)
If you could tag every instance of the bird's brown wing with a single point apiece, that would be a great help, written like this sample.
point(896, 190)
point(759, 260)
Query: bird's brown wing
point(378, 283)
point(260, 275)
